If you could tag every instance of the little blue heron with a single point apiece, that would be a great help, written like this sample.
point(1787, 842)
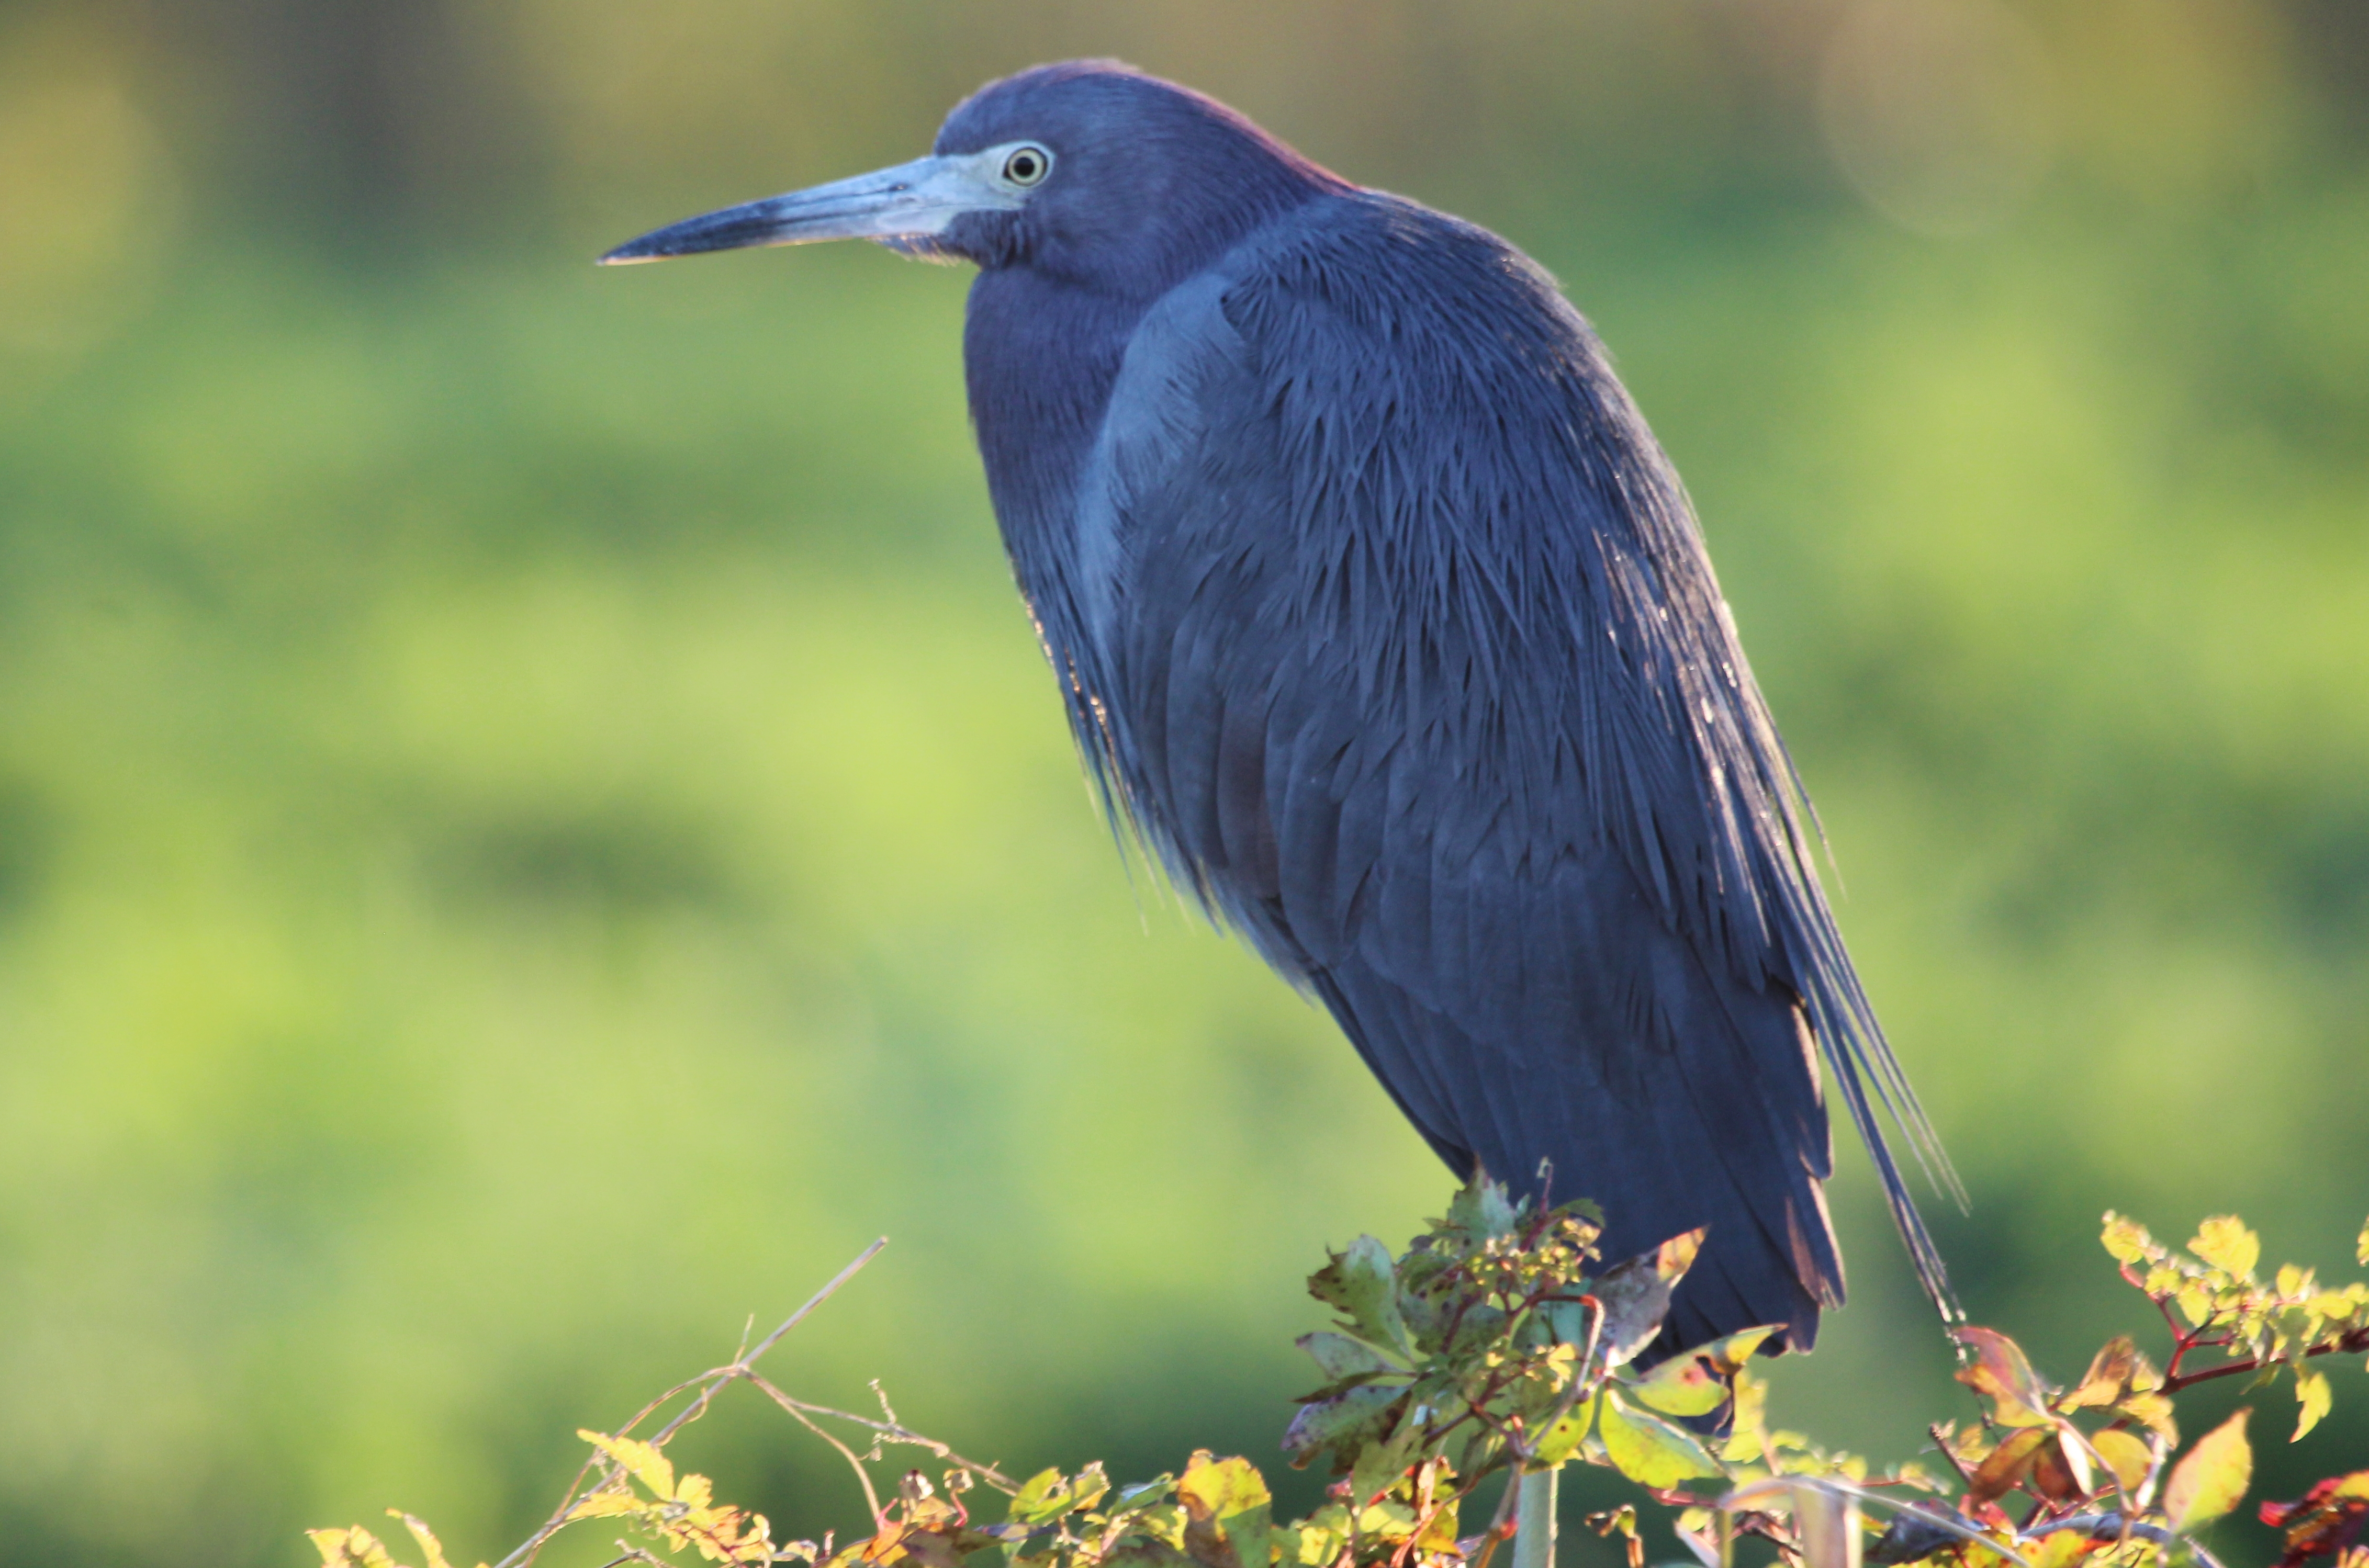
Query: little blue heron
point(1381, 617)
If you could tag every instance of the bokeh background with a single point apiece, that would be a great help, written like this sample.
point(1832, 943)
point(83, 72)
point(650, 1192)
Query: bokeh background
point(533, 826)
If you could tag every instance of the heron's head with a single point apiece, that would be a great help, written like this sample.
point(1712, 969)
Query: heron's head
point(1087, 170)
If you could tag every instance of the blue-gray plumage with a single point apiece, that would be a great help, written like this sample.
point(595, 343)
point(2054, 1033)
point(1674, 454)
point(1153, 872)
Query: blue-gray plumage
point(1380, 616)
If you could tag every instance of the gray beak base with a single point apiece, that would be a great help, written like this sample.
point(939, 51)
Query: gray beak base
point(914, 201)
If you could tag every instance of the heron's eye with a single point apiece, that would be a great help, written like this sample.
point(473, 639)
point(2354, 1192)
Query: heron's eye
point(1027, 166)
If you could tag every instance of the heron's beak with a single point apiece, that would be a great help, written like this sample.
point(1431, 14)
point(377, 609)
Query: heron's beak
point(914, 201)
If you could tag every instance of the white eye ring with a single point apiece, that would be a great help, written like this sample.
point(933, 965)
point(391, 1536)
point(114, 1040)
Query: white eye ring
point(1027, 164)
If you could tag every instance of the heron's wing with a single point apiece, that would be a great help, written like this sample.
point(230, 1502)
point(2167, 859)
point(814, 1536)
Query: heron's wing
point(1417, 671)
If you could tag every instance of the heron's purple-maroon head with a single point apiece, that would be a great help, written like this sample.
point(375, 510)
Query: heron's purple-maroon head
point(1089, 171)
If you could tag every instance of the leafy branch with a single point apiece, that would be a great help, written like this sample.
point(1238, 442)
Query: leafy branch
point(2211, 1300)
point(1498, 1346)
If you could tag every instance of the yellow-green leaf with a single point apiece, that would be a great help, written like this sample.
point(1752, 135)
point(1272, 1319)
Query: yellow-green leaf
point(2125, 1240)
point(641, 1461)
point(1215, 1488)
point(1748, 1437)
point(1048, 1494)
point(1696, 1383)
point(1439, 1534)
point(2110, 1373)
point(429, 1547)
point(2315, 1396)
point(1648, 1450)
point(2127, 1454)
point(2212, 1478)
point(2059, 1549)
point(1563, 1440)
point(1227, 1510)
point(352, 1547)
point(2152, 1410)
point(2225, 1243)
point(605, 1505)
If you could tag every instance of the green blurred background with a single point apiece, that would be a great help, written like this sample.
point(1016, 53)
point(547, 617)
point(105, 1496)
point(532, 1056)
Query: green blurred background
point(533, 825)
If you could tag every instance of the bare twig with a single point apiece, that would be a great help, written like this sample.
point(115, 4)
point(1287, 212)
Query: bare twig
point(819, 1296)
point(862, 1476)
point(1943, 1444)
point(894, 1433)
point(707, 1383)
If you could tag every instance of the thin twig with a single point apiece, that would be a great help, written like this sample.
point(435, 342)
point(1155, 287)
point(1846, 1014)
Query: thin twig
point(707, 1382)
point(862, 1476)
point(895, 1434)
point(1943, 1444)
point(819, 1296)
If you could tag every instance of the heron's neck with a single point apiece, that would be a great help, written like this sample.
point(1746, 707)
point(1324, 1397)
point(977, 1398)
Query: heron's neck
point(1040, 357)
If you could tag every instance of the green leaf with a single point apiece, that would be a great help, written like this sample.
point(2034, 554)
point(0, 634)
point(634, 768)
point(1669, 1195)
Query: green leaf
point(1145, 1493)
point(2225, 1243)
point(2212, 1478)
point(1228, 1512)
point(1697, 1383)
point(1636, 1296)
point(1563, 1440)
point(2315, 1396)
point(1342, 1357)
point(1048, 1494)
point(1380, 1463)
point(1481, 1210)
point(1339, 1423)
point(1361, 1283)
point(1648, 1450)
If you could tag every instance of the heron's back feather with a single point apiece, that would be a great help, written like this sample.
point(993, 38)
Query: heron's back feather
point(1387, 622)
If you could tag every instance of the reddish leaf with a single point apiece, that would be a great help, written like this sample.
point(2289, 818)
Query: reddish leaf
point(2324, 1521)
point(2002, 1375)
point(2060, 1471)
point(2008, 1463)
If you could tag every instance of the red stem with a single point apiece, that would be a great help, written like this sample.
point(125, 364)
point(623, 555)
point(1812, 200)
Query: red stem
point(2351, 1343)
